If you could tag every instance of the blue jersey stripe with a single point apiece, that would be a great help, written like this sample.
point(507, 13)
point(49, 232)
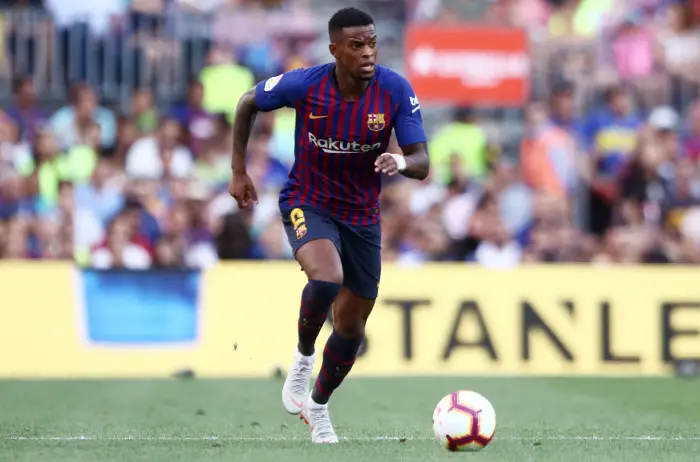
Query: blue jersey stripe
point(309, 152)
point(292, 189)
point(316, 180)
point(327, 164)
point(352, 163)
point(365, 171)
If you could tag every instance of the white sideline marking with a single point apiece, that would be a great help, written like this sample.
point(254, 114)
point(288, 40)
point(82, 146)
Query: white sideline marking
point(361, 438)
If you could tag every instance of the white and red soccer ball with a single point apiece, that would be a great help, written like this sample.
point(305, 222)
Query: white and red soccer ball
point(464, 421)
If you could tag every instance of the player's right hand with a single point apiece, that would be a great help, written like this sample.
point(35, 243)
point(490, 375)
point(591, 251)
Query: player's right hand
point(243, 190)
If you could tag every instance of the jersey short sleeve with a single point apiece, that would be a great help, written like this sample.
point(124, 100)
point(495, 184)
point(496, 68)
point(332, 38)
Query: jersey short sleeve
point(408, 123)
point(281, 91)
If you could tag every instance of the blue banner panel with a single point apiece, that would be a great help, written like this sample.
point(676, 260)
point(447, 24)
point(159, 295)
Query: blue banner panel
point(134, 307)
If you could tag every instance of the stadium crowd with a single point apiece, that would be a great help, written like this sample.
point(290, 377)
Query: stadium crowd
point(605, 170)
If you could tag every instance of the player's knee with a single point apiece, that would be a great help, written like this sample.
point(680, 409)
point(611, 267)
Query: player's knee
point(350, 323)
point(349, 327)
point(325, 274)
point(320, 261)
point(324, 292)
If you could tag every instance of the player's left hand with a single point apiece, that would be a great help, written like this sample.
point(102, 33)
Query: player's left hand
point(389, 163)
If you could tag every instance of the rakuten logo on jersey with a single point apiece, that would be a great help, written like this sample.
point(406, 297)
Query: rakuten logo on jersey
point(333, 146)
point(472, 68)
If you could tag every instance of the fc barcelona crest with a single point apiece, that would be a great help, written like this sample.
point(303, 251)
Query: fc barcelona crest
point(375, 122)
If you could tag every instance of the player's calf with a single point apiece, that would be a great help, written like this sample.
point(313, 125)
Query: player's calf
point(338, 358)
point(349, 319)
point(316, 299)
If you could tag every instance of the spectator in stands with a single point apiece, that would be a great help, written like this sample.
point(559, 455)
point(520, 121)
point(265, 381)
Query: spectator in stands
point(186, 228)
point(103, 194)
point(634, 50)
point(482, 225)
point(25, 113)
point(80, 159)
point(610, 136)
point(72, 124)
point(551, 236)
point(234, 241)
point(213, 164)
point(145, 216)
point(54, 228)
point(562, 109)
point(17, 240)
point(498, 249)
point(120, 249)
point(514, 197)
point(282, 139)
point(30, 229)
point(13, 196)
point(691, 135)
point(466, 140)
point(680, 43)
point(683, 196)
point(127, 134)
point(46, 168)
point(633, 47)
point(168, 254)
point(14, 153)
point(647, 186)
point(160, 156)
point(224, 81)
point(549, 155)
point(143, 111)
point(644, 186)
point(196, 122)
point(267, 172)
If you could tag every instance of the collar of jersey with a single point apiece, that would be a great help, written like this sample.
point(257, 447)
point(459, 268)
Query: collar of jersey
point(331, 74)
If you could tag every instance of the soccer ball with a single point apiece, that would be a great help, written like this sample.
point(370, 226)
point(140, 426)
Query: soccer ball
point(464, 421)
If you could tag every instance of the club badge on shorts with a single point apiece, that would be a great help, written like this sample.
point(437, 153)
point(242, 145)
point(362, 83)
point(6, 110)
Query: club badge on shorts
point(298, 222)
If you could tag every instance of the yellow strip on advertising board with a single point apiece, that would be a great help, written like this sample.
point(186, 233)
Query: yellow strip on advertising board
point(432, 320)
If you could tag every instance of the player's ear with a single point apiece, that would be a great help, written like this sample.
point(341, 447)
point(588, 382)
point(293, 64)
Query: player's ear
point(332, 48)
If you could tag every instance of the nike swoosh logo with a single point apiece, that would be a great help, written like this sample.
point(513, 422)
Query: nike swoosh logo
point(311, 116)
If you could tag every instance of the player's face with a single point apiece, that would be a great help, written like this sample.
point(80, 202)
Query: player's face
point(356, 51)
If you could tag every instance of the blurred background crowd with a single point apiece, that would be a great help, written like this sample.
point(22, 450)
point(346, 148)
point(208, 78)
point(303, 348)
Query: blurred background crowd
point(115, 133)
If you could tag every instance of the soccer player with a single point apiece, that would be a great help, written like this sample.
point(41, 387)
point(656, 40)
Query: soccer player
point(345, 113)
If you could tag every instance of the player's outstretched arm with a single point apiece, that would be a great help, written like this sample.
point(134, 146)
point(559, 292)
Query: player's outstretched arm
point(414, 163)
point(242, 188)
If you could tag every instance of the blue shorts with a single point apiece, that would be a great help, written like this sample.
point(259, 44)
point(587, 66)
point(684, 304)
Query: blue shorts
point(360, 247)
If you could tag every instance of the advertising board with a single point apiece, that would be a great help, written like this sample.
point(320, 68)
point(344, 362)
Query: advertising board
point(468, 65)
point(239, 320)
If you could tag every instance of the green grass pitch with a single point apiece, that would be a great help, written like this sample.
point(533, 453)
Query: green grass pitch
point(572, 419)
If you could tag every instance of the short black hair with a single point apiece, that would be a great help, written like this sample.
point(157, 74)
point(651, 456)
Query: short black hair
point(348, 17)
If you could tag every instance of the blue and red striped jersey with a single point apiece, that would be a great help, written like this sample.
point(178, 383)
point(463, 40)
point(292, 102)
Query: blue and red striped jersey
point(337, 141)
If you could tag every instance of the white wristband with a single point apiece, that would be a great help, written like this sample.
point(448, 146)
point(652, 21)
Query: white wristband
point(400, 161)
